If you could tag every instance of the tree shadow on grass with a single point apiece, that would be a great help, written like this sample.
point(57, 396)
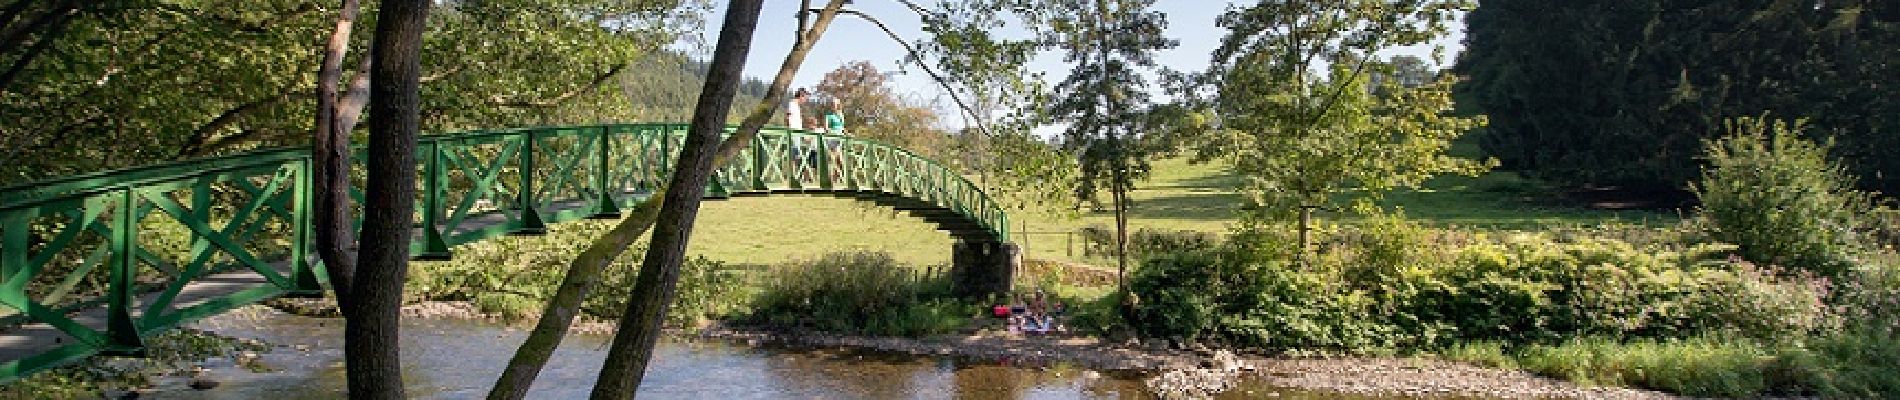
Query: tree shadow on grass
point(1187, 206)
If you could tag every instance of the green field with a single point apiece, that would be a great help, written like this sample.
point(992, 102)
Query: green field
point(1178, 196)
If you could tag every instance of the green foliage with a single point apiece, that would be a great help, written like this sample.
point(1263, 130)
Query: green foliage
point(1779, 198)
point(516, 276)
point(1302, 138)
point(874, 110)
point(1225, 296)
point(1145, 242)
point(1622, 92)
point(1759, 303)
point(1869, 298)
point(1838, 366)
point(1109, 43)
point(1695, 367)
point(863, 293)
point(1391, 284)
point(138, 82)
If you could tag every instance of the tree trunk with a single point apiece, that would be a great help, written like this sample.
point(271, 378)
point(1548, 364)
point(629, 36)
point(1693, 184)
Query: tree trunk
point(1120, 196)
point(584, 272)
point(330, 162)
point(653, 291)
point(371, 322)
point(1306, 233)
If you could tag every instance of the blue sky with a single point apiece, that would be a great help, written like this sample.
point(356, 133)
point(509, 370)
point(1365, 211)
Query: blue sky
point(1191, 22)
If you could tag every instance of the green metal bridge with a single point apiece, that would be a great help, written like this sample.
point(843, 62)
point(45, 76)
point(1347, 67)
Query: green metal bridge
point(92, 264)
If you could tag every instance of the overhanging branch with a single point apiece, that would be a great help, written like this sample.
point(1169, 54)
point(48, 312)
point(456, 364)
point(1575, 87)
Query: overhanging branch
point(564, 97)
point(915, 57)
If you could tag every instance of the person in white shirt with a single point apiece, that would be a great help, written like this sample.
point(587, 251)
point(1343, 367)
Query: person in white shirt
point(794, 110)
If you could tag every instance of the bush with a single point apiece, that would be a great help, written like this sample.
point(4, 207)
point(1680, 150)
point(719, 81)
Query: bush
point(1148, 242)
point(1780, 198)
point(861, 292)
point(1869, 299)
point(516, 276)
point(1759, 303)
point(1233, 295)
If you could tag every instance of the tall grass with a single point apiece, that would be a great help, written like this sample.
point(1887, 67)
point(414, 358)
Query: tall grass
point(1839, 366)
point(858, 292)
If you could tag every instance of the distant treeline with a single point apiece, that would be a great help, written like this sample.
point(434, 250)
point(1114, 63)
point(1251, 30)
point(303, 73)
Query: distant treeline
point(1623, 92)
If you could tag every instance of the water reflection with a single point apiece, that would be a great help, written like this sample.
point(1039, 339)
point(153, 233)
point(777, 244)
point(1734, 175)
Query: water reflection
point(451, 359)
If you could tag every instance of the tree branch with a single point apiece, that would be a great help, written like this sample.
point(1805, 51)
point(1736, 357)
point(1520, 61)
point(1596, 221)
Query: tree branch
point(915, 57)
point(197, 144)
point(444, 74)
point(498, 101)
point(58, 20)
point(235, 24)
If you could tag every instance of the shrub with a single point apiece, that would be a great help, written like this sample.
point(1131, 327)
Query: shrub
point(1759, 303)
point(1869, 299)
point(860, 292)
point(1237, 296)
point(516, 276)
point(1148, 242)
point(1179, 293)
point(1779, 197)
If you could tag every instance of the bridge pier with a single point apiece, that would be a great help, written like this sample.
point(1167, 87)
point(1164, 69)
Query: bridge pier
point(980, 269)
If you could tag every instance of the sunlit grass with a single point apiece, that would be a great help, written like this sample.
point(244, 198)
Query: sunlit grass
point(1177, 196)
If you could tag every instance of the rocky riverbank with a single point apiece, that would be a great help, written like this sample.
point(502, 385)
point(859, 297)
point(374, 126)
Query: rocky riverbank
point(1170, 371)
point(1201, 372)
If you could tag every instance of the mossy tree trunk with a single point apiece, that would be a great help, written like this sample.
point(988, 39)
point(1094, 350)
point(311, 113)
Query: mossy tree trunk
point(653, 290)
point(584, 272)
point(371, 322)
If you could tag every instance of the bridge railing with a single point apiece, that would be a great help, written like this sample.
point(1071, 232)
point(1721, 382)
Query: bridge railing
point(98, 261)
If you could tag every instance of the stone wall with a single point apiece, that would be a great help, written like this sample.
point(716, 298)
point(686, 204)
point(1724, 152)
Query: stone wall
point(983, 268)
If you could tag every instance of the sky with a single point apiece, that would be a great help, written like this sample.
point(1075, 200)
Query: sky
point(1190, 22)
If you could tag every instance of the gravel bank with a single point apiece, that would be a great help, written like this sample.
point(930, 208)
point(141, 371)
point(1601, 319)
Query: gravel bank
point(1173, 372)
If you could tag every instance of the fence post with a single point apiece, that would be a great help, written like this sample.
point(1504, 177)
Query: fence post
point(122, 333)
point(301, 266)
point(794, 160)
point(530, 222)
point(824, 162)
point(433, 247)
point(605, 207)
point(758, 161)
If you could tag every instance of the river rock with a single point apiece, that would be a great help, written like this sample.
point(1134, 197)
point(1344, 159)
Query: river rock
point(203, 384)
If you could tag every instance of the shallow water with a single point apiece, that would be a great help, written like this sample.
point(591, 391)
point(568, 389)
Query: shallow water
point(455, 359)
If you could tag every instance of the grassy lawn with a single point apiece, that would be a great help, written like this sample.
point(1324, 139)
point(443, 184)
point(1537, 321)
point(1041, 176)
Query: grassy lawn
point(1178, 196)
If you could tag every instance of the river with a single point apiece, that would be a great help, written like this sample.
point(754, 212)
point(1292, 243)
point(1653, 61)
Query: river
point(459, 359)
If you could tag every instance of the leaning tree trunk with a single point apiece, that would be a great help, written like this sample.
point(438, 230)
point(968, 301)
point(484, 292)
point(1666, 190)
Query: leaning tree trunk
point(330, 162)
point(659, 276)
point(371, 323)
point(584, 272)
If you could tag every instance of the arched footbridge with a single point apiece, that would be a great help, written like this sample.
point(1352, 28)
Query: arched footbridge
point(94, 263)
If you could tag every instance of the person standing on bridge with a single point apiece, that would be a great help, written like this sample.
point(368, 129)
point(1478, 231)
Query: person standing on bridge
point(795, 110)
point(834, 124)
point(796, 119)
point(834, 119)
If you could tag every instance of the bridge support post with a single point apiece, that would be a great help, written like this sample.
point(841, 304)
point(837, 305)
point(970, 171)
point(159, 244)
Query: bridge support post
point(529, 222)
point(605, 208)
point(979, 269)
point(433, 247)
point(122, 331)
